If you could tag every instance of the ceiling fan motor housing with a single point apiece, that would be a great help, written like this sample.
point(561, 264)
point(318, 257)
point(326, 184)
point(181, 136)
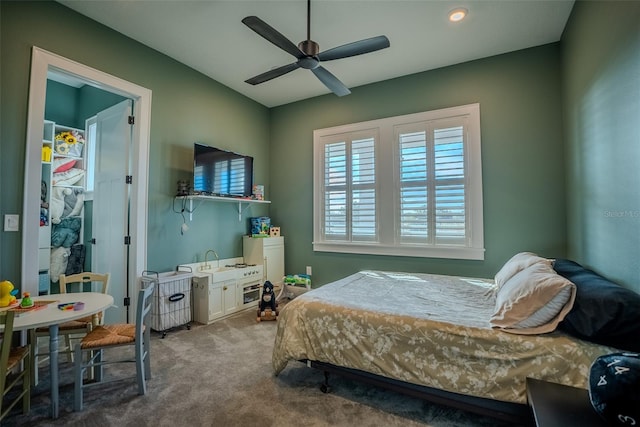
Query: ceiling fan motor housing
point(309, 47)
point(308, 53)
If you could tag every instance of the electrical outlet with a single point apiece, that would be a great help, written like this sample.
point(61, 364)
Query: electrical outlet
point(308, 270)
point(11, 222)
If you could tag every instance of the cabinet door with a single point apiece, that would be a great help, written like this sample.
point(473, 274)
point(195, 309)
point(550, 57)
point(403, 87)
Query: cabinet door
point(230, 296)
point(200, 299)
point(274, 265)
point(216, 299)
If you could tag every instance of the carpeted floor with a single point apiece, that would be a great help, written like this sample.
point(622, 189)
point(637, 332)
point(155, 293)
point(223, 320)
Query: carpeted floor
point(220, 375)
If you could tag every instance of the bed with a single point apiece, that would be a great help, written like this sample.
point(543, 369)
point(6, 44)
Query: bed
point(443, 338)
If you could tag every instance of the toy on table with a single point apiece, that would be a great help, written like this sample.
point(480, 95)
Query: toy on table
point(26, 300)
point(66, 306)
point(7, 294)
point(268, 309)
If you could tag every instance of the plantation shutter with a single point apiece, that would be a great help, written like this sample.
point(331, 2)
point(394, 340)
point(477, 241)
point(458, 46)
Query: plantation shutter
point(335, 194)
point(432, 203)
point(363, 191)
point(414, 191)
point(349, 190)
point(450, 206)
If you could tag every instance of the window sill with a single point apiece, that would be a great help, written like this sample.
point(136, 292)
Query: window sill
point(408, 251)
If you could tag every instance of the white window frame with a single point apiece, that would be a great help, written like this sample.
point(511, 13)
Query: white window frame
point(387, 240)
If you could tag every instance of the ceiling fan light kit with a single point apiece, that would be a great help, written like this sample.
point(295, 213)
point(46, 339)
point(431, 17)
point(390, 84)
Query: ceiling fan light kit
point(308, 55)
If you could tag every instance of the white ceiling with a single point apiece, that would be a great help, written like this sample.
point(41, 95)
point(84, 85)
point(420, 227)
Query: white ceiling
point(209, 36)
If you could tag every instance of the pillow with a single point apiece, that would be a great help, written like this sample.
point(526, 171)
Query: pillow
point(604, 312)
point(61, 164)
point(614, 388)
point(518, 263)
point(70, 177)
point(533, 301)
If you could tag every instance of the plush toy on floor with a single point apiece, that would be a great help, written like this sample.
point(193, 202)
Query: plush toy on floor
point(268, 308)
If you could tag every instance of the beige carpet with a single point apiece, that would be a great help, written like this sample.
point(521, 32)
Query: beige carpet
point(220, 375)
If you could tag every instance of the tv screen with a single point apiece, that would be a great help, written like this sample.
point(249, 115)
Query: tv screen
point(219, 172)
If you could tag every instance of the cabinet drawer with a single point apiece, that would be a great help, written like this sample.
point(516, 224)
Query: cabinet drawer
point(44, 258)
point(44, 236)
point(272, 241)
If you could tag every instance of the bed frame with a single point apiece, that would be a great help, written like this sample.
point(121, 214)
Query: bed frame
point(507, 411)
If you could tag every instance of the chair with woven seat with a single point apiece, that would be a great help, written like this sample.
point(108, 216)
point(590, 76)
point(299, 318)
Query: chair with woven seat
point(12, 360)
point(106, 337)
point(74, 329)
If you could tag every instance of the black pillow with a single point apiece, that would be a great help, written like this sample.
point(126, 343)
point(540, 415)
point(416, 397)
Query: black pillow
point(603, 312)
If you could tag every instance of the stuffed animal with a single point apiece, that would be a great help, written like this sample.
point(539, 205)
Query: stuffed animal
point(65, 202)
point(73, 203)
point(56, 207)
point(66, 232)
point(267, 309)
point(7, 296)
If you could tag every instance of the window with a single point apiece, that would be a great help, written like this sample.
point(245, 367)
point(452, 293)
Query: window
point(90, 156)
point(408, 185)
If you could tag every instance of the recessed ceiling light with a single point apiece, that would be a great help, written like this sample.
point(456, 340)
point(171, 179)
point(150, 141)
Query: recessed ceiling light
point(457, 15)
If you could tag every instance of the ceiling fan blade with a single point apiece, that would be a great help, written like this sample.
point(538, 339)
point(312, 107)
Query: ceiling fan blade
point(356, 48)
point(272, 74)
point(331, 81)
point(269, 33)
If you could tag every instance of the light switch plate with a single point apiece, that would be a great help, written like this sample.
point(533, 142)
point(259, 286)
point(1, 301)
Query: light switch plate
point(11, 222)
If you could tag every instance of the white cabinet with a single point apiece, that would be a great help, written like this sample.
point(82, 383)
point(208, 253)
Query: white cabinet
point(268, 251)
point(213, 300)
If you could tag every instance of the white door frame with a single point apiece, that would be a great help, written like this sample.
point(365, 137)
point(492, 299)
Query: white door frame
point(41, 62)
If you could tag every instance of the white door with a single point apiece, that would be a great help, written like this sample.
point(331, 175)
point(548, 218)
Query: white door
point(110, 222)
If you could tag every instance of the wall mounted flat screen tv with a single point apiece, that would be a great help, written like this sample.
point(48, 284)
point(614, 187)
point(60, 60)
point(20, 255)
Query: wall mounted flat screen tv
point(223, 173)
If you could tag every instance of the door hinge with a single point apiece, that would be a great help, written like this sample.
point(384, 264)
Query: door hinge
point(93, 241)
point(129, 179)
point(127, 240)
point(131, 120)
point(127, 301)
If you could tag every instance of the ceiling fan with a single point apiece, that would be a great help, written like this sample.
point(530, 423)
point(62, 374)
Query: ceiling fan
point(308, 53)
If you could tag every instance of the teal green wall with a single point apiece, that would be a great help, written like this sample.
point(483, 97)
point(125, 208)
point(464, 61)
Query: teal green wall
point(522, 159)
point(601, 89)
point(582, 90)
point(186, 107)
point(61, 105)
point(70, 106)
point(92, 100)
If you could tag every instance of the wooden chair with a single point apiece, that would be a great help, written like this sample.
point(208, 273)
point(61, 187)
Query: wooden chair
point(77, 328)
point(12, 360)
point(111, 336)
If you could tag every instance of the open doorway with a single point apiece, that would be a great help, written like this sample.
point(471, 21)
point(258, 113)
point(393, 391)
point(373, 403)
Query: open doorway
point(133, 249)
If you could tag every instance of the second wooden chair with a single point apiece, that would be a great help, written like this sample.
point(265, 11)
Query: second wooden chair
point(75, 329)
